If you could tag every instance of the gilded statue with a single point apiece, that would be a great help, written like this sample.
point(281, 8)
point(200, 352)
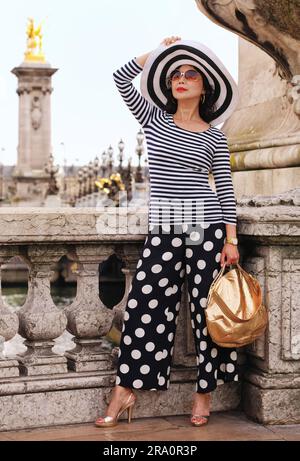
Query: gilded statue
point(34, 50)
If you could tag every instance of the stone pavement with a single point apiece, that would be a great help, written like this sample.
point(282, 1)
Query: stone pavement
point(222, 426)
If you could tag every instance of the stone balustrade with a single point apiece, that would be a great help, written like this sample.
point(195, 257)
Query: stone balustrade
point(48, 388)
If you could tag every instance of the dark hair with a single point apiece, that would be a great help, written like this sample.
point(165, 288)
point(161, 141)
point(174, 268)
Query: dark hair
point(206, 110)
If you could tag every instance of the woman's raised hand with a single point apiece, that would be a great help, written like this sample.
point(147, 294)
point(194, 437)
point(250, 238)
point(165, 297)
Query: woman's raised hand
point(170, 40)
point(166, 41)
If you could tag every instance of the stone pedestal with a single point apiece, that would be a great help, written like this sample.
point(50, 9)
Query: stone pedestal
point(270, 237)
point(88, 355)
point(8, 368)
point(34, 148)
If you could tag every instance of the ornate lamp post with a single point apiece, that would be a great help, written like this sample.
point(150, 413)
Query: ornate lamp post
point(139, 150)
point(52, 171)
point(127, 179)
point(96, 171)
point(90, 176)
point(121, 156)
point(110, 152)
point(80, 181)
point(85, 177)
point(104, 163)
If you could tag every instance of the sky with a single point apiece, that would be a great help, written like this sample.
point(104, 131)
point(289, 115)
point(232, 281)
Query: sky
point(87, 41)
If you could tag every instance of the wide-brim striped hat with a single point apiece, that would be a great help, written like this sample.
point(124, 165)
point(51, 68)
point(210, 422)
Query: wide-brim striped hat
point(164, 59)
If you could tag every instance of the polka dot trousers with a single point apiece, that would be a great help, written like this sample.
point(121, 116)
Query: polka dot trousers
point(151, 313)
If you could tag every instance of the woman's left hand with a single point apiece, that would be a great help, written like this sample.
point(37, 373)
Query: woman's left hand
point(229, 254)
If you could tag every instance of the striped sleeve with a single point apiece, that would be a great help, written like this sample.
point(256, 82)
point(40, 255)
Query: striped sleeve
point(142, 109)
point(221, 170)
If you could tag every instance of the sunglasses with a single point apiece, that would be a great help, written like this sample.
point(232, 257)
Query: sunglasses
point(190, 75)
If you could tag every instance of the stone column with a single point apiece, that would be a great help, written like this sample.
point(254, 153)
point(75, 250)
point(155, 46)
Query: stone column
point(34, 147)
point(270, 237)
point(40, 320)
point(9, 323)
point(88, 318)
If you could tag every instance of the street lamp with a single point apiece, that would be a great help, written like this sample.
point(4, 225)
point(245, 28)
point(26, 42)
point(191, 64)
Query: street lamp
point(85, 178)
point(104, 163)
point(139, 150)
point(90, 175)
point(96, 170)
point(121, 149)
point(110, 152)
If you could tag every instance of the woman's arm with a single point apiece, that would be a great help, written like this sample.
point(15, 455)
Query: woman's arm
point(140, 107)
point(221, 170)
point(230, 230)
point(222, 175)
point(143, 58)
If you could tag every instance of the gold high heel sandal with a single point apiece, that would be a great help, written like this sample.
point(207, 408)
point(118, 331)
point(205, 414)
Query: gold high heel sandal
point(109, 421)
point(200, 420)
point(196, 420)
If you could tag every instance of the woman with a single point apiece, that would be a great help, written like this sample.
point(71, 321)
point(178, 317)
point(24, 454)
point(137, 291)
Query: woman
point(182, 148)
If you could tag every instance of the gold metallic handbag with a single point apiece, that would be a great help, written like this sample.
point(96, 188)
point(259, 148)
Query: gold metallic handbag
point(235, 314)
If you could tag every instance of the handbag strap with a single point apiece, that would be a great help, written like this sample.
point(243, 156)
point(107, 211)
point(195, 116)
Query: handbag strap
point(217, 277)
point(223, 306)
point(225, 309)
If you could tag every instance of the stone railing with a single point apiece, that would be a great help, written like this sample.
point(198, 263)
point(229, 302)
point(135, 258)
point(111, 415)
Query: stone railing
point(46, 388)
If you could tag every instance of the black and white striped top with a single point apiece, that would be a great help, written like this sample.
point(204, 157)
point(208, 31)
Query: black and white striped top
point(179, 162)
